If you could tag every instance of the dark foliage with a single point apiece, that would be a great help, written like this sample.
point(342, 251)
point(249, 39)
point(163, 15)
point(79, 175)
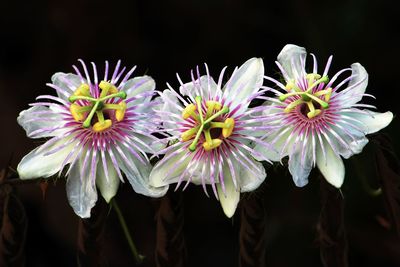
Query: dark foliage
point(13, 226)
point(91, 236)
point(330, 228)
point(388, 172)
point(170, 244)
point(252, 231)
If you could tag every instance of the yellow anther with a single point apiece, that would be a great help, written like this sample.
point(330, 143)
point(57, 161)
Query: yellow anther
point(83, 90)
point(102, 126)
point(289, 86)
point(228, 128)
point(313, 113)
point(292, 105)
point(107, 88)
point(189, 111)
point(189, 134)
point(211, 145)
point(313, 76)
point(120, 112)
point(214, 105)
point(74, 109)
point(328, 94)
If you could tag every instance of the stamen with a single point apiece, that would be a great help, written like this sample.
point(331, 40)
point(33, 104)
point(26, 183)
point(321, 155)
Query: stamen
point(206, 123)
point(211, 106)
point(214, 144)
point(88, 120)
point(319, 101)
point(292, 105)
point(324, 79)
point(199, 108)
point(100, 116)
point(187, 135)
point(120, 94)
point(285, 96)
point(75, 111)
point(189, 111)
point(224, 110)
point(228, 129)
point(106, 88)
point(120, 112)
point(101, 126)
point(193, 146)
point(83, 90)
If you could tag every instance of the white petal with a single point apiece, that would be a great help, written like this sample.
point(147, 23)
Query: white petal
point(355, 143)
point(331, 167)
point(107, 184)
point(356, 87)
point(374, 121)
point(26, 120)
point(158, 176)
point(290, 57)
point(299, 171)
point(244, 83)
point(229, 201)
point(170, 106)
point(137, 86)
point(66, 81)
point(250, 181)
point(36, 164)
point(138, 174)
point(81, 193)
point(201, 88)
point(274, 153)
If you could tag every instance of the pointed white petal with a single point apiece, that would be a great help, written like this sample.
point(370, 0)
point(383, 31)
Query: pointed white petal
point(290, 57)
point(244, 83)
point(139, 85)
point(158, 176)
point(357, 86)
point(229, 201)
point(331, 167)
point(374, 121)
point(201, 88)
point(108, 185)
point(36, 164)
point(27, 120)
point(170, 106)
point(138, 174)
point(355, 144)
point(81, 192)
point(250, 181)
point(273, 152)
point(299, 171)
point(68, 82)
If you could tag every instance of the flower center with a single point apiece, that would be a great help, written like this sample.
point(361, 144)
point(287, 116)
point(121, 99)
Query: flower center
point(207, 124)
point(84, 111)
point(312, 101)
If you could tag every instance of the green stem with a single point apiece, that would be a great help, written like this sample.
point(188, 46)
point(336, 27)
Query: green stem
point(138, 258)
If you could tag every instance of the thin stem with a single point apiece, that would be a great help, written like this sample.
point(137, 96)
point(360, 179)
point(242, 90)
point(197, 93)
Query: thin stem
point(138, 258)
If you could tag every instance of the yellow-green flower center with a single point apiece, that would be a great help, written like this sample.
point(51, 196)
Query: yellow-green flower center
point(205, 123)
point(308, 97)
point(97, 106)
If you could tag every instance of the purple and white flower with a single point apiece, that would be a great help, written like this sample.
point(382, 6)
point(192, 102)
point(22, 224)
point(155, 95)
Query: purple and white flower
point(211, 130)
point(100, 128)
point(320, 119)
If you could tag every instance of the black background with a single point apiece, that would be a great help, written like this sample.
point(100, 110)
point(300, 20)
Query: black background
point(39, 38)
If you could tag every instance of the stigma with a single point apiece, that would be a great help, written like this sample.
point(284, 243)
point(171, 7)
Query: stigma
point(94, 111)
point(315, 100)
point(205, 123)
